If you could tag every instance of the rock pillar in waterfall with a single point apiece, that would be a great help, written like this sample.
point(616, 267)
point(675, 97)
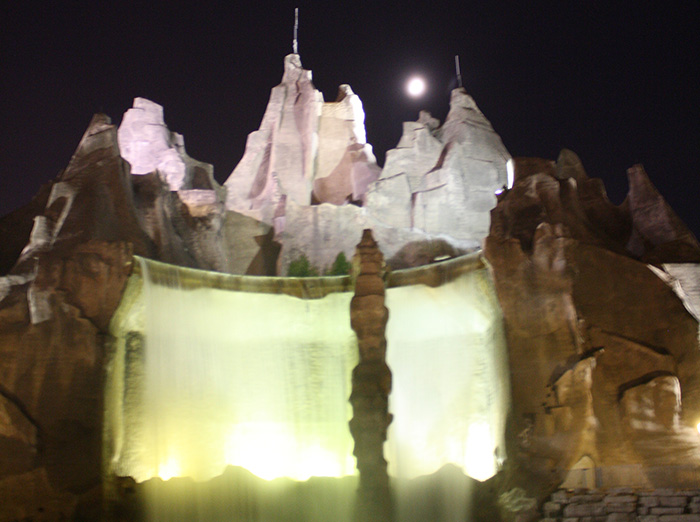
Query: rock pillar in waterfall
point(371, 382)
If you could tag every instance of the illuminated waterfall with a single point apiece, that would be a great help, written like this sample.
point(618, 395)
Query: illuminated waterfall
point(450, 397)
point(210, 370)
point(447, 355)
point(249, 379)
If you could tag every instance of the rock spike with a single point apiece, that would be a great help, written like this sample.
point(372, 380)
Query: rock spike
point(371, 382)
point(295, 41)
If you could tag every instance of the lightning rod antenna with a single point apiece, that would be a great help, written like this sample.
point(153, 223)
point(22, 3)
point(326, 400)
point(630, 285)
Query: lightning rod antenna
point(459, 73)
point(295, 45)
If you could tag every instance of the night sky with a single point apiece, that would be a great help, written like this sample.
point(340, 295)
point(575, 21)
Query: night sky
point(614, 81)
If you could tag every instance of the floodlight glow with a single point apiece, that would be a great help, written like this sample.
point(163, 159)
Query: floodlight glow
point(255, 380)
point(698, 427)
point(202, 378)
point(415, 87)
point(510, 170)
point(169, 469)
point(449, 399)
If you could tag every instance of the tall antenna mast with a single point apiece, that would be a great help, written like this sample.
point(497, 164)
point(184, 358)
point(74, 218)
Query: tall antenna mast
point(295, 44)
point(459, 73)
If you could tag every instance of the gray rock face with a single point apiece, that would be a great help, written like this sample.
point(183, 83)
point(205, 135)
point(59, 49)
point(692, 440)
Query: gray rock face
point(432, 198)
point(147, 144)
point(279, 157)
point(320, 233)
point(346, 164)
point(303, 145)
point(451, 174)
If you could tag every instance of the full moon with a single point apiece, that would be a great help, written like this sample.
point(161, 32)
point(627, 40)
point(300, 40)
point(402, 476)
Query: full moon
point(415, 87)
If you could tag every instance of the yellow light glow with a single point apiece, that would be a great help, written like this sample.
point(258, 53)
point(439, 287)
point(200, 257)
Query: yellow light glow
point(446, 351)
point(698, 427)
point(169, 469)
point(257, 381)
point(268, 451)
point(478, 457)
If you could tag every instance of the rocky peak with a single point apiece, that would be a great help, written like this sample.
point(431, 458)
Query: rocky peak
point(304, 146)
point(147, 144)
point(293, 70)
point(659, 235)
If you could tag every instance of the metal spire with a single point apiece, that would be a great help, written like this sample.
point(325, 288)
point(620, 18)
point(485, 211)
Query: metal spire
point(459, 73)
point(295, 44)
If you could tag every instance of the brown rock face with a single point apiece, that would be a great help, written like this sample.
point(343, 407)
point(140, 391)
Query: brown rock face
point(16, 226)
point(596, 339)
point(659, 234)
point(51, 377)
point(55, 308)
point(371, 383)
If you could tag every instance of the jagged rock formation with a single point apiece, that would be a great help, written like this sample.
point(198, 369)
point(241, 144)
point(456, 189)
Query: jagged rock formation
point(600, 346)
point(441, 180)
point(179, 203)
point(431, 200)
point(55, 307)
point(600, 301)
point(303, 145)
point(310, 158)
point(659, 235)
point(147, 144)
point(346, 165)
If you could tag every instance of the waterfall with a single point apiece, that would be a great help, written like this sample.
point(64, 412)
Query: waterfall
point(232, 392)
point(450, 397)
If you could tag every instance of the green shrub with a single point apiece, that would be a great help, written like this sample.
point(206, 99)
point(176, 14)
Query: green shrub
point(301, 267)
point(341, 266)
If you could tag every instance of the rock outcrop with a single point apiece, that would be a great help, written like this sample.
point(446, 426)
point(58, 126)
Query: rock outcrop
point(147, 144)
point(600, 346)
point(442, 180)
point(431, 200)
point(303, 146)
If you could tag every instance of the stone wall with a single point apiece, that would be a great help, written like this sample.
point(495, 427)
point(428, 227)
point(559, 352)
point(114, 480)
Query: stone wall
point(623, 505)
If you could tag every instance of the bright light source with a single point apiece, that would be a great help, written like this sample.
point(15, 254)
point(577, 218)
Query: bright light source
point(169, 469)
point(510, 170)
point(698, 426)
point(415, 87)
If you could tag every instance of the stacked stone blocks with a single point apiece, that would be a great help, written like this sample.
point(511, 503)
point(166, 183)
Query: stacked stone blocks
point(623, 505)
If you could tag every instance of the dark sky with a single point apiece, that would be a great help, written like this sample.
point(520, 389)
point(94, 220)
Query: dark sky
point(614, 81)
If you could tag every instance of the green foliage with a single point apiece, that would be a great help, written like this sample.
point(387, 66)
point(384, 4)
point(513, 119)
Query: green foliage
point(301, 267)
point(341, 266)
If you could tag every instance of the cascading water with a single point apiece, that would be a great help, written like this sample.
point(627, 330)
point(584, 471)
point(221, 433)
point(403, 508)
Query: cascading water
point(258, 381)
point(243, 386)
point(446, 349)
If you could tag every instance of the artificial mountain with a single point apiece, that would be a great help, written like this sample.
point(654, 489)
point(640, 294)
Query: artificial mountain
point(598, 302)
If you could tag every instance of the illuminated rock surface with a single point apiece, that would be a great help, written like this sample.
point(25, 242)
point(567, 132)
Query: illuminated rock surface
point(603, 347)
point(303, 145)
point(599, 344)
point(345, 164)
point(441, 179)
point(437, 186)
point(147, 144)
